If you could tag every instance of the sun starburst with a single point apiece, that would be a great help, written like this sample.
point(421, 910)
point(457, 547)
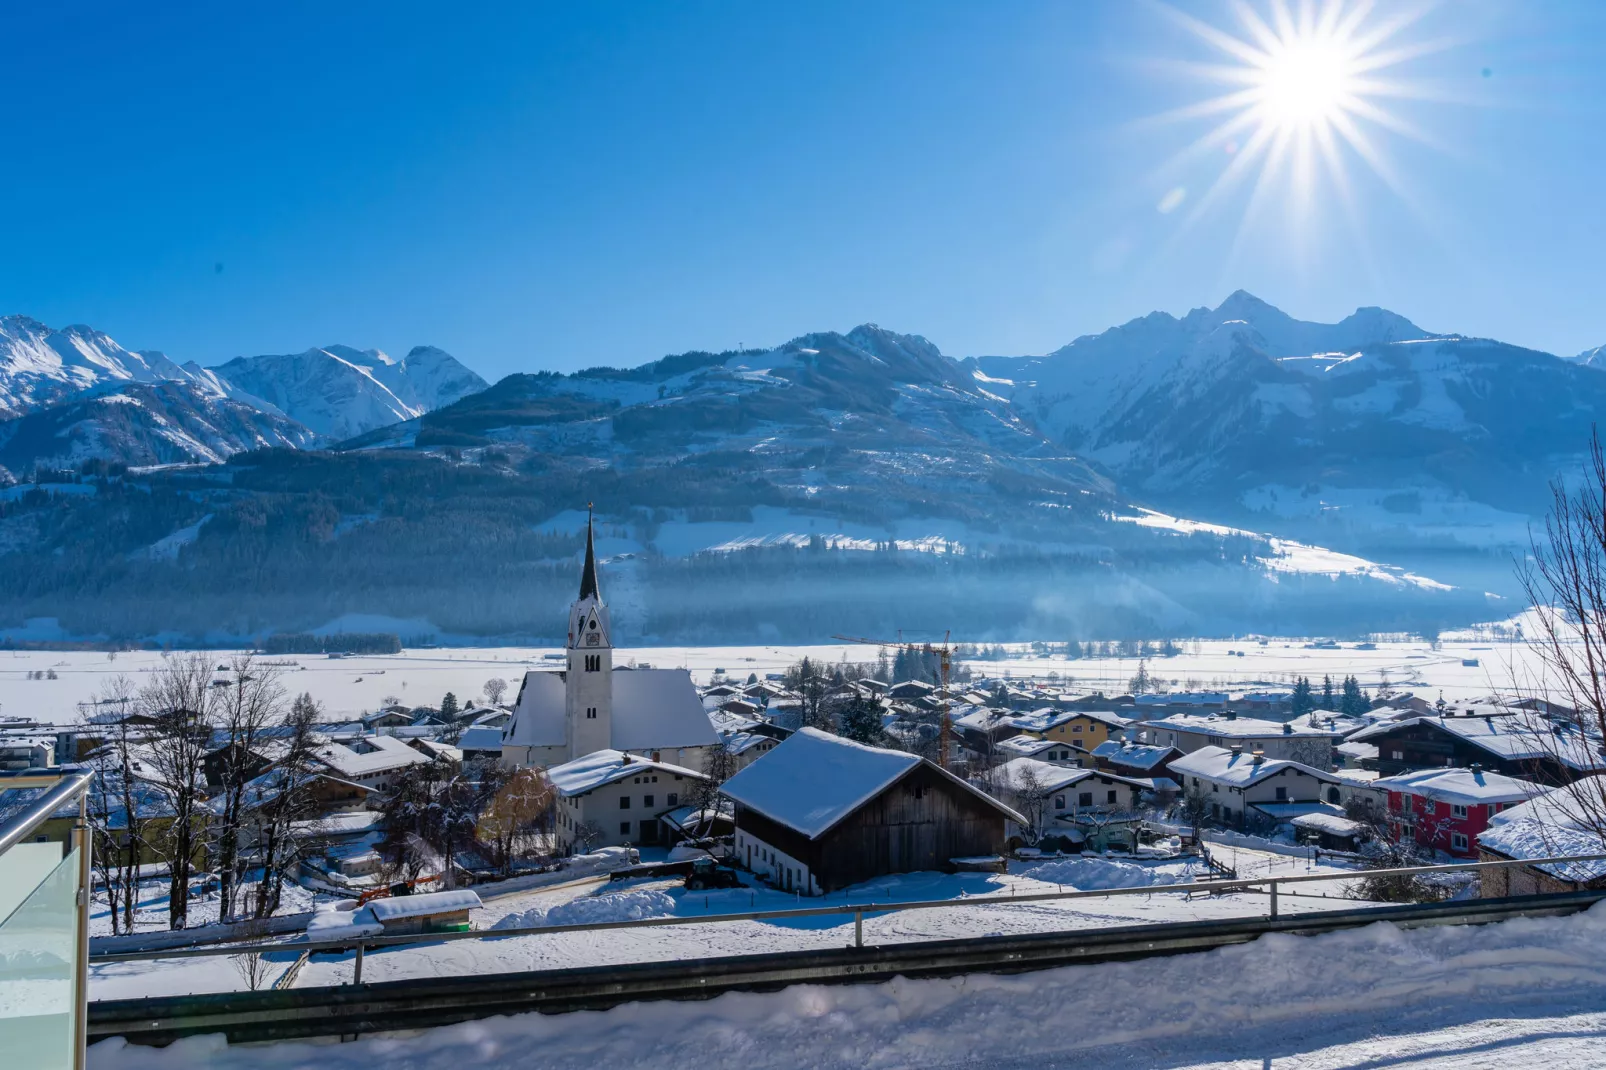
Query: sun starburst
point(1307, 87)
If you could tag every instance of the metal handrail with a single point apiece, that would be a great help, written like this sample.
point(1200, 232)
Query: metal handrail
point(65, 784)
point(858, 910)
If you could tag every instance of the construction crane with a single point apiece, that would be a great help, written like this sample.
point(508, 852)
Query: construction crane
point(945, 659)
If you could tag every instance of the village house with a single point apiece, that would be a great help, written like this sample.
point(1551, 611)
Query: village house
point(1244, 789)
point(1566, 821)
point(480, 741)
point(1044, 750)
point(1092, 809)
point(1446, 809)
point(375, 762)
point(612, 799)
point(1082, 729)
point(1514, 743)
point(593, 706)
point(1282, 740)
point(1138, 759)
point(820, 813)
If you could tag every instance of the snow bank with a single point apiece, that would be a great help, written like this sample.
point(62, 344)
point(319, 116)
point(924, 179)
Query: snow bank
point(633, 905)
point(1255, 1002)
point(1093, 874)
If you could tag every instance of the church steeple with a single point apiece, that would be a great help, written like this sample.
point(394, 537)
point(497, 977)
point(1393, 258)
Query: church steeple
point(588, 574)
point(588, 684)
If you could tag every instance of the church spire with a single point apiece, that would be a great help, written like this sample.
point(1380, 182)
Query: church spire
point(588, 576)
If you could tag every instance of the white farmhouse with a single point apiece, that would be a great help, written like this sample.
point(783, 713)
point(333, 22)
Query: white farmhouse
point(1286, 740)
point(609, 798)
point(592, 706)
point(1236, 784)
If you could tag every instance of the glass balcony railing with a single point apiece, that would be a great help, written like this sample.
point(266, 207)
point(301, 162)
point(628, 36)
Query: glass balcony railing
point(44, 913)
point(39, 962)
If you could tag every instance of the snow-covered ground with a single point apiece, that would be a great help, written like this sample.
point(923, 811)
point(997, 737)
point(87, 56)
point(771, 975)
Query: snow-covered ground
point(1523, 993)
point(982, 907)
point(351, 686)
point(150, 912)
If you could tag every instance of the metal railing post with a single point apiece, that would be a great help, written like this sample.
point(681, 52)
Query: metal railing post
point(858, 928)
point(84, 842)
point(1274, 899)
point(356, 974)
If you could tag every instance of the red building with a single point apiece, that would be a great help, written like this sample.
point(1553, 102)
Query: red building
point(1445, 809)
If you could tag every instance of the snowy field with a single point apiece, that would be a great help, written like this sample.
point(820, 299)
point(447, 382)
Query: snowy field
point(348, 687)
point(1523, 993)
point(985, 910)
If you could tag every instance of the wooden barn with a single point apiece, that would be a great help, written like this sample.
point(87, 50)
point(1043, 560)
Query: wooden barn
point(820, 812)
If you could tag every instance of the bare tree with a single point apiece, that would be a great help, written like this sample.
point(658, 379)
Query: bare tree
point(251, 966)
point(117, 812)
point(283, 831)
point(719, 765)
point(1564, 578)
point(495, 688)
point(180, 701)
point(1195, 809)
point(247, 710)
point(520, 809)
point(586, 835)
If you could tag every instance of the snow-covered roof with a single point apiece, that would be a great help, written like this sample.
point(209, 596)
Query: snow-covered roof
point(440, 750)
point(1019, 775)
point(1137, 755)
point(411, 906)
point(1332, 824)
point(1461, 786)
point(1029, 746)
point(380, 754)
point(1564, 821)
point(605, 767)
point(1358, 751)
point(480, 737)
point(815, 779)
point(1239, 770)
point(1514, 735)
point(1235, 727)
point(653, 709)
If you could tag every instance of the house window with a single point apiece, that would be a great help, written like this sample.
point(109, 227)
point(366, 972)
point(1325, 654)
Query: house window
point(673, 798)
point(1076, 728)
point(624, 802)
point(1397, 755)
point(593, 662)
point(624, 828)
point(1405, 803)
point(1059, 802)
point(1282, 794)
point(1458, 810)
point(1085, 799)
point(1111, 797)
point(591, 713)
point(1458, 841)
point(646, 800)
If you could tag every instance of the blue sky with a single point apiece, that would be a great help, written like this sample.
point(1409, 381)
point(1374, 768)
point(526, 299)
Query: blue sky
point(563, 186)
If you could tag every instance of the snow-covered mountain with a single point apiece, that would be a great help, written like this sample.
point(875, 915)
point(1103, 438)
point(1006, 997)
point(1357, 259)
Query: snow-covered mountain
point(137, 423)
point(1242, 409)
point(1592, 358)
point(334, 392)
point(340, 392)
point(39, 364)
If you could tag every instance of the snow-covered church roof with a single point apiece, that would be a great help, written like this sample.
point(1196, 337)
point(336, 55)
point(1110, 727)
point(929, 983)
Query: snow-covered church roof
point(653, 709)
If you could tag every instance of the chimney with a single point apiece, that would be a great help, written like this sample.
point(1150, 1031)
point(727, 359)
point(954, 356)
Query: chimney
point(1259, 756)
point(1237, 750)
point(1232, 715)
point(1477, 769)
point(1288, 729)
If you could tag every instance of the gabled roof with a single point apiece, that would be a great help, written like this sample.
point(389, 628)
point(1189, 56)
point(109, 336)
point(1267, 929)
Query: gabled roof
point(388, 753)
point(480, 737)
point(653, 709)
point(1239, 770)
point(1137, 755)
point(815, 780)
point(1014, 775)
point(1461, 786)
point(1512, 736)
point(1559, 823)
point(1235, 727)
point(605, 767)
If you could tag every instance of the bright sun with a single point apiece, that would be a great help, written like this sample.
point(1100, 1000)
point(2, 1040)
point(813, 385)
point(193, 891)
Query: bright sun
point(1306, 83)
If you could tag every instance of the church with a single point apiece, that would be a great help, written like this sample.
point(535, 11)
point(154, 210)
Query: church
point(592, 706)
